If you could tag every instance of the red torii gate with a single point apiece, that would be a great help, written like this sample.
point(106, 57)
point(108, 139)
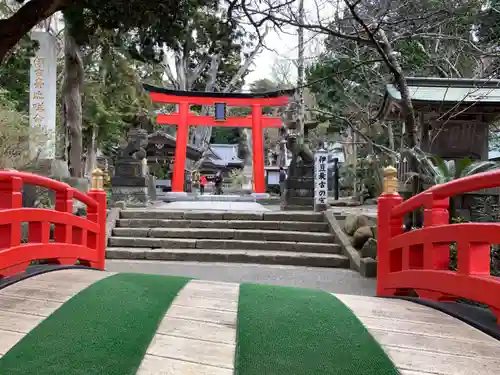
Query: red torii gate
point(184, 118)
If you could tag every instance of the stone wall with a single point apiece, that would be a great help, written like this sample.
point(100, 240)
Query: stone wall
point(464, 204)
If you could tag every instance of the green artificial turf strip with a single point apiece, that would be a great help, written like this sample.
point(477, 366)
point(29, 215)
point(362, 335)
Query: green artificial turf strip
point(292, 331)
point(103, 330)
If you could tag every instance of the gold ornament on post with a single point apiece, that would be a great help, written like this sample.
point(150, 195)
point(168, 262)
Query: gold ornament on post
point(97, 179)
point(390, 180)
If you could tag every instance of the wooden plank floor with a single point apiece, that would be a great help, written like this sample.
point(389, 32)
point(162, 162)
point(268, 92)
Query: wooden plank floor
point(198, 333)
point(423, 341)
point(25, 304)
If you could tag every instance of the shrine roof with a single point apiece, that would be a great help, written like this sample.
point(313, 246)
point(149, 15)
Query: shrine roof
point(222, 155)
point(450, 91)
point(161, 137)
point(226, 152)
point(204, 94)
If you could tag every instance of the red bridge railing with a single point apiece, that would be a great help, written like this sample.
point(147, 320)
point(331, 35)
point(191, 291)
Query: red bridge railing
point(75, 239)
point(418, 260)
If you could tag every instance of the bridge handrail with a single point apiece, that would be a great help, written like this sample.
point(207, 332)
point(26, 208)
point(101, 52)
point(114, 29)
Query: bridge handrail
point(48, 183)
point(418, 261)
point(75, 238)
point(479, 181)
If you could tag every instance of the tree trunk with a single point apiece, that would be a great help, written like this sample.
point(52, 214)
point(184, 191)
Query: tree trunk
point(72, 103)
point(411, 127)
point(200, 136)
point(12, 29)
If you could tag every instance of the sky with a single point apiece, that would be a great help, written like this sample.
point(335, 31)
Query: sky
point(284, 45)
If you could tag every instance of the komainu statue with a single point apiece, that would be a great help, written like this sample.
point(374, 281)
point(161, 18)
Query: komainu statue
point(131, 181)
point(299, 185)
point(137, 140)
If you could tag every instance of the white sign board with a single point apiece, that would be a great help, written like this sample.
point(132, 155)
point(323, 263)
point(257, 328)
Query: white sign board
point(43, 85)
point(321, 177)
point(273, 177)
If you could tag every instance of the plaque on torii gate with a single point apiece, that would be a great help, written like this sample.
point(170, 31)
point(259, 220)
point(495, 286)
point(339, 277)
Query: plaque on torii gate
point(183, 118)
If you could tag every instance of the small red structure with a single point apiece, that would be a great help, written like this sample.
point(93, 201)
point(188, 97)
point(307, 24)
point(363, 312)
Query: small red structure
point(184, 118)
point(75, 238)
point(418, 260)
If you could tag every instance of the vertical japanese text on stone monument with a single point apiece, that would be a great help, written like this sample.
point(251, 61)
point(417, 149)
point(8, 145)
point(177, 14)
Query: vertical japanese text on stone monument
point(321, 177)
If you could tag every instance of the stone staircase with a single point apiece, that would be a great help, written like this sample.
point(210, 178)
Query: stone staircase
point(286, 238)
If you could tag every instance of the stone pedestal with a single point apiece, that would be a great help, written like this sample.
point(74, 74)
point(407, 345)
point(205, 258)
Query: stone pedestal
point(247, 186)
point(151, 181)
point(132, 196)
point(299, 189)
point(131, 185)
point(320, 207)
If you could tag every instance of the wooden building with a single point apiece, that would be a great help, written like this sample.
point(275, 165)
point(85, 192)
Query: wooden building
point(160, 156)
point(221, 157)
point(453, 114)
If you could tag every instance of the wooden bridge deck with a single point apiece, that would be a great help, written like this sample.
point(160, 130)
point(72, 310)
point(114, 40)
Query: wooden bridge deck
point(418, 339)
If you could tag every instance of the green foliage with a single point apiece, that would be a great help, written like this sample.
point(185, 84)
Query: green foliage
point(112, 97)
point(15, 72)
point(434, 170)
point(369, 172)
point(225, 135)
point(16, 136)
point(193, 28)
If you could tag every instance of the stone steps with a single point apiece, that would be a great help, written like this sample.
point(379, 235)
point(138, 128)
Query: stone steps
point(303, 226)
point(192, 243)
point(234, 256)
point(223, 215)
point(270, 237)
point(225, 234)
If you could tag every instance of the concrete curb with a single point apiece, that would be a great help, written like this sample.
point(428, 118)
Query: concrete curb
point(111, 219)
point(367, 267)
point(344, 242)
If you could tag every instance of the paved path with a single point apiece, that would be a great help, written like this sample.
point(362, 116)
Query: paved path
point(332, 280)
point(212, 206)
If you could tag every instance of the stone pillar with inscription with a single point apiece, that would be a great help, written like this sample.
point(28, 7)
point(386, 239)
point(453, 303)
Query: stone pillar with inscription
point(42, 117)
point(43, 87)
point(321, 180)
point(130, 181)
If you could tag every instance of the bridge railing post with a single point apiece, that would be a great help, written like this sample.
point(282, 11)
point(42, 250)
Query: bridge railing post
point(388, 227)
point(436, 255)
point(98, 215)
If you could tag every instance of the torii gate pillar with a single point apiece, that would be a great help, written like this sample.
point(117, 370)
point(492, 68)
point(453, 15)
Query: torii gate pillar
point(258, 150)
point(181, 141)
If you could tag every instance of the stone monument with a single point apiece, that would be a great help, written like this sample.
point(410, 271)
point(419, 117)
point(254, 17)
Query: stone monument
point(131, 178)
point(321, 180)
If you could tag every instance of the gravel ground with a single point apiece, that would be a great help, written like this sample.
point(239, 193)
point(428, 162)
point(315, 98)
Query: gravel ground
point(331, 280)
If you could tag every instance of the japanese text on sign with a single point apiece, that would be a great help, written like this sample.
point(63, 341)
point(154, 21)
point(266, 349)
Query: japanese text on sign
point(42, 99)
point(37, 96)
point(321, 177)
